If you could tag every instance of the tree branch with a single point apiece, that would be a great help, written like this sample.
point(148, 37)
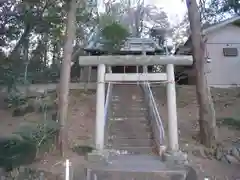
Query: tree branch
point(27, 30)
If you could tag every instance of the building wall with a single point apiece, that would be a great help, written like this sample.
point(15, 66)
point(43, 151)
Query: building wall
point(223, 71)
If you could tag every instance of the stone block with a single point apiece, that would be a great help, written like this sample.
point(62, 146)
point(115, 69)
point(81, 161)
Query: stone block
point(176, 157)
point(101, 156)
point(95, 157)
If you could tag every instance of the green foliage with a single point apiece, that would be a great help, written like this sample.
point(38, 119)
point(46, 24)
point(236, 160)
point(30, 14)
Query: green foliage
point(105, 20)
point(82, 150)
point(15, 99)
point(230, 121)
point(31, 140)
point(114, 34)
point(14, 151)
point(229, 5)
point(42, 23)
point(25, 144)
point(224, 6)
point(39, 134)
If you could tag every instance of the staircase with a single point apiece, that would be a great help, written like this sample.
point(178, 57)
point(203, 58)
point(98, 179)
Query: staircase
point(129, 128)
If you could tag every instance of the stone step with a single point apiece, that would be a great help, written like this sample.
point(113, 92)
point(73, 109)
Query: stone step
point(130, 142)
point(115, 175)
point(136, 130)
point(127, 95)
point(132, 96)
point(130, 119)
point(131, 123)
point(126, 122)
point(132, 102)
point(127, 111)
point(144, 135)
point(129, 100)
point(128, 125)
point(132, 108)
point(134, 150)
point(134, 119)
point(131, 136)
point(142, 167)
point(130, 130)
point(130, 105)
point(128, 114)
point(129, 108)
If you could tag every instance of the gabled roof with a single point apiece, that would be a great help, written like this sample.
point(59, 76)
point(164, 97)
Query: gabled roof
point(221, 24)
point(207, 28)
point(133, 44)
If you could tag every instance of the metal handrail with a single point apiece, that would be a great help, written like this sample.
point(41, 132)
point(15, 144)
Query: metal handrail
point(155, 109)
point(157, 118)
point(107, 111)
point(107, 101)
point(107, 106)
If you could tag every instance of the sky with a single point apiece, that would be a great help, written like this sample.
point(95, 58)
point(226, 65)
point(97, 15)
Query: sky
point(174, 8)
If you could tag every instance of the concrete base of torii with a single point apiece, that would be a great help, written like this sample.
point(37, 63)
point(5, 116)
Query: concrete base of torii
point(174, 166)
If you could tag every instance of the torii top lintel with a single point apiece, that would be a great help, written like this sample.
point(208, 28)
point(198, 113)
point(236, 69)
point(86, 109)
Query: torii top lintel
point(134, 60)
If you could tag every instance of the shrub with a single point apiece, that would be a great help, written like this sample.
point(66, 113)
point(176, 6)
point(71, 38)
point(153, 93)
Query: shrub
point(41, 135)
point(15, 99)
point(82, 150)
point(15, 151)
point(27, 143)
point(230, 121)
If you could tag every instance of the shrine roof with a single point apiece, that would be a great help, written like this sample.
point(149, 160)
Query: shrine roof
point(131, 44)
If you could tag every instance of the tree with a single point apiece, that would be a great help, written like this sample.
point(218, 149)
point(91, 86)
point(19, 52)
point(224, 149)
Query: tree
point(137, 16)
point(37, 28)
point(226, 6)
point(158, 34)
point(114, 34)
point(211, 12)
point(207, 118)
point(65, 73)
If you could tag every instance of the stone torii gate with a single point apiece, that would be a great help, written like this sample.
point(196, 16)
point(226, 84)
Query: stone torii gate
point(136, 60)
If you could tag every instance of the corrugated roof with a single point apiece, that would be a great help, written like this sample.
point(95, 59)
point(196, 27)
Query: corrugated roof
point(206, 29)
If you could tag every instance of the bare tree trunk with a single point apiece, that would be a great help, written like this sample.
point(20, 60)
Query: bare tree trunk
point(55, 52)
point(207, 118)
point(21, 40)
point(26, 59)
point(65, 75)
point(45, 58)
point(138, 18)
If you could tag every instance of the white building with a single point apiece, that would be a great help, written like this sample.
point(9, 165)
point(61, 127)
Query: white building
point(222, 53)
